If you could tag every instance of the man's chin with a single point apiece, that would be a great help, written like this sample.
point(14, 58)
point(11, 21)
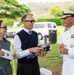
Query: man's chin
point(65, 25)
point(31, 27)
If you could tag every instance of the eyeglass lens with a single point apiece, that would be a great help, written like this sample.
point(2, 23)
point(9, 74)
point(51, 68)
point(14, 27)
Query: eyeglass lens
point(30, 21)
point(5, 27)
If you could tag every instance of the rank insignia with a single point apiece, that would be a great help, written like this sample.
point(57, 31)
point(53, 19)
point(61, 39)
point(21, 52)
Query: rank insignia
point(71, 45)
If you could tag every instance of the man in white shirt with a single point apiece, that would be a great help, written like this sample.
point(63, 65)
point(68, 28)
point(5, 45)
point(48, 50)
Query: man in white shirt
point(67, 44)
point(26, 43)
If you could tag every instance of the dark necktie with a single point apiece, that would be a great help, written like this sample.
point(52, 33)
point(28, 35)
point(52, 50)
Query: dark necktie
point(30, 32)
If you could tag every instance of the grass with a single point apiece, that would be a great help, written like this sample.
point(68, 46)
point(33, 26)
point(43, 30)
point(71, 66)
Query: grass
point(52, 60)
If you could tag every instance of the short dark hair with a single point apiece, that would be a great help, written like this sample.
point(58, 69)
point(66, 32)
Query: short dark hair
point(1, 22)
point(0, 26)
point(24, 16)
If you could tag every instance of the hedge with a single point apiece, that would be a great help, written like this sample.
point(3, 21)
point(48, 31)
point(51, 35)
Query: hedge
point(58, 21)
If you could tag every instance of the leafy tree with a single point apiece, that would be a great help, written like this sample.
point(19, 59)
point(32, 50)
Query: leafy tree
point(71, 7)
point(56, 11)
point(12, 9)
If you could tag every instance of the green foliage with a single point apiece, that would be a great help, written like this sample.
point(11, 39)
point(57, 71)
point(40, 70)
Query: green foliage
point(12, 9)
point(20, 23)
point(56, 11)
point(71, 7)
point(58, 21)
point(8, 22)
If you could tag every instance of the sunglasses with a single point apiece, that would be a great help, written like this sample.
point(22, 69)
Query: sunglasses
point(5, 27)
point(30, 21)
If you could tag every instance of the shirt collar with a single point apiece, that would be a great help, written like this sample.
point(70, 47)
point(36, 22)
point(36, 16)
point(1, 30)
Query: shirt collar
point(26, 30)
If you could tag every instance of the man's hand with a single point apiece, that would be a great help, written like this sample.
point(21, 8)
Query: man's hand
point(14, 55)
point(61, 46)
point(35, 49)
point(2, 53)
point(42, 53)
point(63, 50)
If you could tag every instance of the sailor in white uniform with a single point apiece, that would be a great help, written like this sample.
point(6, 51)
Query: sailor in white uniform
point(67, 44)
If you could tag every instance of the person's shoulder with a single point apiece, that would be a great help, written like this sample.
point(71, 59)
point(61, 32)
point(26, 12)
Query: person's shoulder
point(34, 32)
point(72, 29)
point(20, 32)
point(8, 42)
point(64, 33)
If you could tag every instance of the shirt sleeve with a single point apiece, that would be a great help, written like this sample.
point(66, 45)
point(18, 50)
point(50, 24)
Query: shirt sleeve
point(17, 47)
point(38, 41)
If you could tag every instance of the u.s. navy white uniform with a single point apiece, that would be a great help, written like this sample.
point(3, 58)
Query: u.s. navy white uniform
point(68, 59)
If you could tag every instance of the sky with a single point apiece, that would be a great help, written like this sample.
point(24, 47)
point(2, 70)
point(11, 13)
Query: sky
point(37, 1)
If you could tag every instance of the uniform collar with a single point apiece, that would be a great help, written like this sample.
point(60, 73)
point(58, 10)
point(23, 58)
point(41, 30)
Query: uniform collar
point(72, 27)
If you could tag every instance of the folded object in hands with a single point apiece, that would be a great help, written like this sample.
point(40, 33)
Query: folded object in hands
point(46, 47)
point(8, 54)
